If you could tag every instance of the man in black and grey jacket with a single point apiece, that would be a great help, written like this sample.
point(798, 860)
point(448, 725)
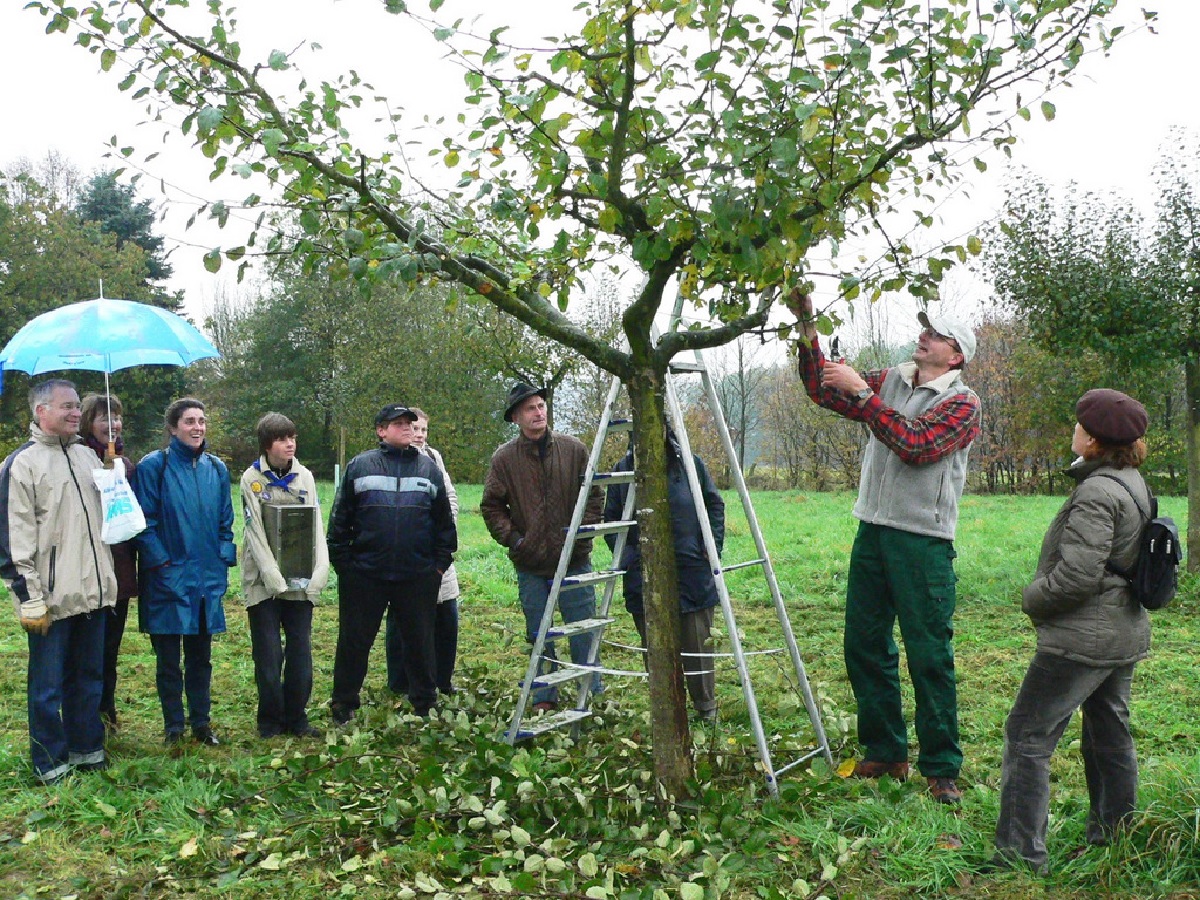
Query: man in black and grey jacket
point(391, 536)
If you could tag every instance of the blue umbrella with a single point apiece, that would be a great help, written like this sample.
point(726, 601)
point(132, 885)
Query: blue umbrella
point(104, 335)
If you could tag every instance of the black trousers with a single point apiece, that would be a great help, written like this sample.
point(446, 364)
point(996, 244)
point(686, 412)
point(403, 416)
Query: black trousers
point(445, 648)
point(114, 630)
point(362, 602)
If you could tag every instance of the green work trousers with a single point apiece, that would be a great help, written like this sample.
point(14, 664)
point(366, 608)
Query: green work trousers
point(897, 575)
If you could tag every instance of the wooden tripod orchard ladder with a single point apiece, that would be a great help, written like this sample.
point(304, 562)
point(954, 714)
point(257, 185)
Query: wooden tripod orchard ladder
point(521, 726)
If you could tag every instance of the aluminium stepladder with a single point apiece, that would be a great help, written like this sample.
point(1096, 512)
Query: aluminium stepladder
point(567, 672)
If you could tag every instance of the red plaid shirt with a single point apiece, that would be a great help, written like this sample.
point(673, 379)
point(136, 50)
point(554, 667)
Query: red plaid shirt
point(939, 431)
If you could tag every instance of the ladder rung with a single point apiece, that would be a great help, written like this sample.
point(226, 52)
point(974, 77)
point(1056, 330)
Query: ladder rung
point(743, 565)
point(562, 675)
point(583, 626)
point(613, 477)
point(574, 582)
point(551, 722)
point(605, 527)
point(684, 366)
point(616, 426)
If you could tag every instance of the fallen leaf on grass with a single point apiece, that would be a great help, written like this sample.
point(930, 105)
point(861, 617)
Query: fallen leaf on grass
point(846, 768)
point(190, 848)
point(949, 842)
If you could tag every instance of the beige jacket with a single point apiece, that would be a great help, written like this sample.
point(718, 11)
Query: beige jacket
point(449, 589)
point(261, 577)
point(51, 555)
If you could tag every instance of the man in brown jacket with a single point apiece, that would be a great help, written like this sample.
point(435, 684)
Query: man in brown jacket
point(529, 494)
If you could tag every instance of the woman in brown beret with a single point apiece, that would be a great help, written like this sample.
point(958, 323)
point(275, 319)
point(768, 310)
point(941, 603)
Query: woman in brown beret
point(1091, 632)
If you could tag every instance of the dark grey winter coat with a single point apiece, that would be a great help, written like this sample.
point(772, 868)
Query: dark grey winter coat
point(1081, 610)
point(697, 587)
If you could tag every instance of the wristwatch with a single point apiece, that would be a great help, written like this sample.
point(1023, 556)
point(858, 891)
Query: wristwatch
point(864, 395)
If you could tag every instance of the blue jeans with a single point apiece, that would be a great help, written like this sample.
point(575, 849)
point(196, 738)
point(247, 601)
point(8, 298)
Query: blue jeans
point(195, 679)
point(283, 670)
point(1054, 687)
point(64, 682)
point(445, 648)
point(534, 591)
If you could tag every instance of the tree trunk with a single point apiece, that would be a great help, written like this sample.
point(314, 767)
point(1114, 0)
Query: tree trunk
point(673, 765)
point(1191, 377)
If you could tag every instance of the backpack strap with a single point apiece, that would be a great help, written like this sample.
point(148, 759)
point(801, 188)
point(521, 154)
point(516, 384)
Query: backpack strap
point(1150, 517)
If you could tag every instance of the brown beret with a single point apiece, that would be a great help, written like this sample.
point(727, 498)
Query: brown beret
point(1111, 417)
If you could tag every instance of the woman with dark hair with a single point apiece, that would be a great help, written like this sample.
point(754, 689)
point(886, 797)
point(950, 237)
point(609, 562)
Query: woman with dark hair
point(1091, 632)
point(184, 557)
point(100, 422)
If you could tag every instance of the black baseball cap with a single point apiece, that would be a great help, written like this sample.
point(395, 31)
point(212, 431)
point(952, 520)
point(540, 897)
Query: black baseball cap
point(394, 411)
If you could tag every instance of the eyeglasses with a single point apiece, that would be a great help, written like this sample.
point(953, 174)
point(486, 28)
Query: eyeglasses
point(930, 333)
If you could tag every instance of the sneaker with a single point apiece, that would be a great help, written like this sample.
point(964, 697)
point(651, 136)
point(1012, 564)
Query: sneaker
point(944, 790)
point(545, 706)
point(706, 715)
point(341, 716)
point(308, 731)
point(869, 768)
point(98, 766)
point(172, 738)
point(204, 735)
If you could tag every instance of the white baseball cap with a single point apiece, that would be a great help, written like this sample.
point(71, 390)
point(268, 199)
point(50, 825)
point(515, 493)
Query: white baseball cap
point(948, 326)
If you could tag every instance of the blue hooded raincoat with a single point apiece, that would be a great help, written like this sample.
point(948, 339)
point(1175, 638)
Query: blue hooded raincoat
point(187, 548)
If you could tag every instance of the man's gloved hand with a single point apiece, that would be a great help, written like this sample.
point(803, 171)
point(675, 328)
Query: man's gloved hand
point(39, 625)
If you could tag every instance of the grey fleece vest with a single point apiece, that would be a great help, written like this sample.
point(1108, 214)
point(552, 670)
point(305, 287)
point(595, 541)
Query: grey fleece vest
point(919, 499)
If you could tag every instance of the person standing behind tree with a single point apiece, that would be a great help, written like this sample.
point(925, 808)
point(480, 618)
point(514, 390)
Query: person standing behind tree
point(283, 670)
point(529, 496)
point(697, 586)
point(445, 626)
point(1091, 632)
point(922, 419)
point(184, 557)
point(62, 580)
point(95, 427)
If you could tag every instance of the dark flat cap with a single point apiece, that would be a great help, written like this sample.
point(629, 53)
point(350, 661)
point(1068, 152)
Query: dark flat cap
point(518, 394)
point(394, 411)
point(1111, 417)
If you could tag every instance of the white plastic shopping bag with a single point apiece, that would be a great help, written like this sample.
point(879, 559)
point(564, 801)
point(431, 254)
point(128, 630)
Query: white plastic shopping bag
point(123, 517)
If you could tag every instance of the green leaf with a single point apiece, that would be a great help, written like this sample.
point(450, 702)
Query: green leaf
point(107, 57)
point(278, 60)
point(107, 809)
point(208, 119)
point(689, 890)
point(1048, 110)
point(212, 260)
point(588, 866)
point(271, 139)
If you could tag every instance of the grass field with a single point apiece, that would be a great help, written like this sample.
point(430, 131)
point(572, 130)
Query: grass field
point(404, 808)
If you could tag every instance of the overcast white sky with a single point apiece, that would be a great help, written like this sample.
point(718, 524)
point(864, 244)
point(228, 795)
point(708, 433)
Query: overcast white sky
point(1108, 132)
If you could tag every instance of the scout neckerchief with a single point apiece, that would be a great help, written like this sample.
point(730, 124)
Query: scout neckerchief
point(276, 481)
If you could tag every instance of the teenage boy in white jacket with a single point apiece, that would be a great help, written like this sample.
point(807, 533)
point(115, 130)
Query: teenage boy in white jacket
point(283, 671)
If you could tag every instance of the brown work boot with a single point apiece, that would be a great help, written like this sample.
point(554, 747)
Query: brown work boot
point(869, 768)
point(944, 790)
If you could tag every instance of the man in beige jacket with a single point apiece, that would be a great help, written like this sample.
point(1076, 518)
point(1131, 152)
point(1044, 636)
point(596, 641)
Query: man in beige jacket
point(60, 573)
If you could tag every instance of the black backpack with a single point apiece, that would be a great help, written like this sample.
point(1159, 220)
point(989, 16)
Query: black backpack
point(1155, 575)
